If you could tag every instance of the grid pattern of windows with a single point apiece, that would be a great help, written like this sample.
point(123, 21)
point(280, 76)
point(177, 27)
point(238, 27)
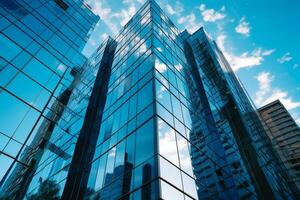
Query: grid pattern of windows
point(40, 45)
point(124, 164)
point(160, 116)
point(246, 146)
point(285, 134)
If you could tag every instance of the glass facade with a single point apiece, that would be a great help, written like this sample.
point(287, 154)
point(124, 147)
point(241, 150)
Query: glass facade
point(154, 113)
point(285, 135)
point(40, 54)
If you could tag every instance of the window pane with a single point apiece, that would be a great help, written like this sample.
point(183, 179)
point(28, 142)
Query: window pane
point(170, 193)
point(184, 155)
point(163, 95)
point(5, 163)
point(110, 166)
point(145, 96)
point(189, 185)
point(167, 142)
point(170, 173)
point(8, 49)
point(144, 138)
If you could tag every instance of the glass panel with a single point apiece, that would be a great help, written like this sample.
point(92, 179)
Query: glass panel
point(144, 138)
point(189, 185)
point(8, 49)
point(170, 173)
point(167, 142)
point(145, 96)
point(170, 193)
point(184, 155)
point(130, 146)
point(110, 166)
point(163, 95)
point(5, 164)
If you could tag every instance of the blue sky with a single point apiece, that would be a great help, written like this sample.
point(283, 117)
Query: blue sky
point(260, 39)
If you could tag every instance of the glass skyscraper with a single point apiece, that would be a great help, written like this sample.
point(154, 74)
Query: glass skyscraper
point(285, 134)
point(154, 113)
point(40, 48)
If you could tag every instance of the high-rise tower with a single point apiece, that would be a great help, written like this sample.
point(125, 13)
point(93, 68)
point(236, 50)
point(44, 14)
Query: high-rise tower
point(285, 134)
point(40, 48)
point(159, 114)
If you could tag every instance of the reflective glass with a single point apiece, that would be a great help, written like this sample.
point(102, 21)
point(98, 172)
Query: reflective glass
point(163, 95)
point(169, 193)
point(145, 96)
point(170, 173)
point(8, 49)
point(144, 138)
point(167, 142)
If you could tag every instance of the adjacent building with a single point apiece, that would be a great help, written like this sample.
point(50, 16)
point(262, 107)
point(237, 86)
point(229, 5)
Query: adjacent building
point(154, 113)
point(285, 135)
point(40, 47)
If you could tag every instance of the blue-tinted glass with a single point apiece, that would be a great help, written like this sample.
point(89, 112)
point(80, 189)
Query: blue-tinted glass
point(100, 173)
point(145, 96)
point(110, 166)
point(144, 138)
point(6, 162)
point(130, 148)
point(163, 95)
point(8, 49)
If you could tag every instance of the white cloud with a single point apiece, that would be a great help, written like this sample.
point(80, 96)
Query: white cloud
point(61, 68)
point(133, 1)
point(244, 60)
point(125, 14)
point(210, 15)
point(161, 67)
point(176, 9)
point(103, 36)
point(243, 27)
point(285, 58)
point(190, 22)
point(266, 93)
point(105, 12)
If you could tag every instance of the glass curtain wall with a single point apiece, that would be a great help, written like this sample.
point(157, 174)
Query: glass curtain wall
point(40, 47)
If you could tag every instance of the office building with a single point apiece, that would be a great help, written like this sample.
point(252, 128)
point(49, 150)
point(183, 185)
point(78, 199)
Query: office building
point(156, 113)
point(40, 47)
point(285, 135)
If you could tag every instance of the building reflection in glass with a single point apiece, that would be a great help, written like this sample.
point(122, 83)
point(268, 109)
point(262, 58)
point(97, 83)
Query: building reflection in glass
point(159, 114)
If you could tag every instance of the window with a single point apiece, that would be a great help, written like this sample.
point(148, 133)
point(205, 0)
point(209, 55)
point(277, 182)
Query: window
point(163, 95)
point(145, 67)
point(132, 106)
point(130, 147)
point(110, 166)
point(184, 155)
point(144, 142)
point(168, 192)
point(100, 173)
point(176, 108)
point(167, 142)
point(189, 185)
point(5, 164)
point(120, 154)
point(145, 96)
point(12, 112)
point(8, 49)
